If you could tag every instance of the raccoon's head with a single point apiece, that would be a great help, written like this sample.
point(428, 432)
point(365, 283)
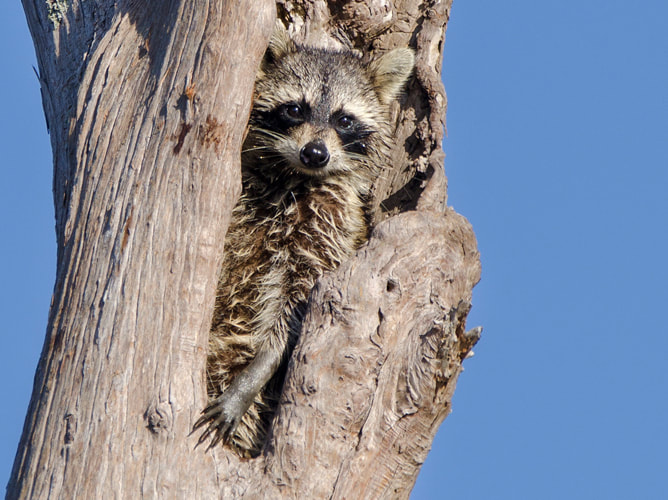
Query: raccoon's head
point(323, 113)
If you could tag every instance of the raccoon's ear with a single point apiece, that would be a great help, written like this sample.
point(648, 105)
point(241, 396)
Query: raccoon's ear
point(279, 45)
point(390, 71)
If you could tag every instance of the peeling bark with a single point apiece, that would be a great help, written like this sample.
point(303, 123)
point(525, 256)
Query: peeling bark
point(146, 105)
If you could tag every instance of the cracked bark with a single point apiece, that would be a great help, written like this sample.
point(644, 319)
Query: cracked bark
point(146, 106)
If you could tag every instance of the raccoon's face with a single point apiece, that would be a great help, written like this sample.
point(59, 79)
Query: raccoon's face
point(314, 139)
point(322, 113)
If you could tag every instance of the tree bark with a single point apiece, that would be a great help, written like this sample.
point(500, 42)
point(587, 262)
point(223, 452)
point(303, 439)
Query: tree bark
point(146, 105)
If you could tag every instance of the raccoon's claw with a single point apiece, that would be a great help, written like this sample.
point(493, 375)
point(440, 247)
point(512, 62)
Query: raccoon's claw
point(222, 416)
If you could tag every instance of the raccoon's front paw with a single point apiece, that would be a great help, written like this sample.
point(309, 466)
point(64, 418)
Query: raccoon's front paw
point(222, 416)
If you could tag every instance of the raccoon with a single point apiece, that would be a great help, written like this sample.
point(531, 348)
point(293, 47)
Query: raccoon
point(318, 136)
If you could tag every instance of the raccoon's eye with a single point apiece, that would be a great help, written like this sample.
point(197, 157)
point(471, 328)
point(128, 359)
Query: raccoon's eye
point(293, 111)
point(345, 122)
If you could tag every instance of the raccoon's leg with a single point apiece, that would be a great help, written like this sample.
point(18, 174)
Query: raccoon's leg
point(224, 413)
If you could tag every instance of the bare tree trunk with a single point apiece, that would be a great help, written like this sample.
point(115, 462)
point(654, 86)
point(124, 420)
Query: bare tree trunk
point(147, 104)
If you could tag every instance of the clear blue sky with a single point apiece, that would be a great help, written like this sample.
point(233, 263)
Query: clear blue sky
point(558, 154)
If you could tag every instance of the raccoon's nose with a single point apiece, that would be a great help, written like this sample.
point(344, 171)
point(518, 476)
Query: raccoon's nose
point(314, 154)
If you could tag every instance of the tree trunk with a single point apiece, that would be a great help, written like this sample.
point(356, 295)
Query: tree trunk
point(147, 105)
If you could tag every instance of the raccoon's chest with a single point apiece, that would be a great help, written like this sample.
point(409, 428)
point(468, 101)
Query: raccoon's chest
point(302, 234)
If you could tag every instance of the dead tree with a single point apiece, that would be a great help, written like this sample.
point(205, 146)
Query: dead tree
point(146, 105)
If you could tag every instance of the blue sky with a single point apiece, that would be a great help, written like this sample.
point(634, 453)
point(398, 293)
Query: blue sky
point(557, 152)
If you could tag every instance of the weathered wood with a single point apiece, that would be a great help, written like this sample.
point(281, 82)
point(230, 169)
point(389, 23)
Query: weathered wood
point(373, 378)
point(146, 105)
